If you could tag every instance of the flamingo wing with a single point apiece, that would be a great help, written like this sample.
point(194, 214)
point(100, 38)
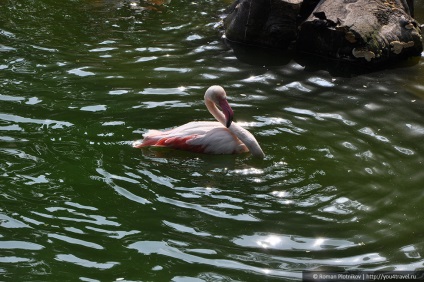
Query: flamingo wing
point(200, 137)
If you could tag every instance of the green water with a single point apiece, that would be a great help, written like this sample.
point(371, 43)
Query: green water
point(341, 186)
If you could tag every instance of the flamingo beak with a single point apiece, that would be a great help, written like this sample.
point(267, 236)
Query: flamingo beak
point(228, 112)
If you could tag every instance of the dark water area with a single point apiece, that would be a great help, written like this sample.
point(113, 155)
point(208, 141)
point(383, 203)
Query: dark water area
point(340, 188)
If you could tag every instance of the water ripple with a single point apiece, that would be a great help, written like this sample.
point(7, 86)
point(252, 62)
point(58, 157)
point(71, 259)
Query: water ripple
point(9, 222)
point(292, 243)
point(76, 217)
point(84, 262)
point(215, 212)
point(109, 179)
point(162, 248)
point(53, 123)
point(81, 72)
point(75, 241)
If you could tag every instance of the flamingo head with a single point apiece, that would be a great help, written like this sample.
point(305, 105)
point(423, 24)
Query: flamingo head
point(217, 95)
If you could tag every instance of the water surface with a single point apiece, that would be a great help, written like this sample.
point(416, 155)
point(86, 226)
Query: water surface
point(340, 187)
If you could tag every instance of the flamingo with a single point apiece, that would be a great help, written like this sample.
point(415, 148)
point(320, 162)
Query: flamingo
point(211, 137)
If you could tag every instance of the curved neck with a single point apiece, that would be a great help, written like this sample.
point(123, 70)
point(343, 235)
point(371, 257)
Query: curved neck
point(248, 139)
point(219, 116)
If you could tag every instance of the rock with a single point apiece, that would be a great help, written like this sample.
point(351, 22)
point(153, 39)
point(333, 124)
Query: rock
point(368, 32)
point(266, 23)
point(363, 31)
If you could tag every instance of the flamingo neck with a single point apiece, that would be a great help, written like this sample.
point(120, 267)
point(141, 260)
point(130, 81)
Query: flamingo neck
point(219, 116)
point(248, 139)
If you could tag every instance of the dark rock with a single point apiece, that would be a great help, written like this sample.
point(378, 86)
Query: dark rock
point(361, 31)
point(366, 31)
point(266, 23)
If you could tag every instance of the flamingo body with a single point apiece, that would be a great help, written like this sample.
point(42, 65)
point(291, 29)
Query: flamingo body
point(222, 137)
point(198, 136)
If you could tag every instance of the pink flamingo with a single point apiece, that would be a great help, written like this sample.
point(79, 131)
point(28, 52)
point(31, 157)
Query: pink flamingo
point(210, 137)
